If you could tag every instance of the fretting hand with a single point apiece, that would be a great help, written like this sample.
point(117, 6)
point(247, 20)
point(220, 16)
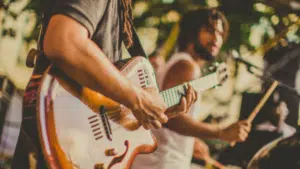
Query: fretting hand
point(185, 103)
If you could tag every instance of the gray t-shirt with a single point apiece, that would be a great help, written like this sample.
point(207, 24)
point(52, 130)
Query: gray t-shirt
point(102, 18)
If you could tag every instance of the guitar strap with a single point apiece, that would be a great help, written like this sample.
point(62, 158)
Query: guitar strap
point(136, 49)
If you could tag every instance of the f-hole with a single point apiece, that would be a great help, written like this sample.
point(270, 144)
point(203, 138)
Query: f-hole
point(121, 157)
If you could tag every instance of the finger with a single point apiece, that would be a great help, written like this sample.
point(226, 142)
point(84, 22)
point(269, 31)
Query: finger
point(243, 129)
point(249, 125)
point(245, 122)
point(189, 95)
point(150, 118)
point(159, 115)
point(196, 96)
point(151, 126)
point(247, 128)
point(246, 135)
point(242, 136)
point(178, 109)
point(183, 105)
point(162, 118)
point(146, 126)
point(152, 89)
point(156, 124)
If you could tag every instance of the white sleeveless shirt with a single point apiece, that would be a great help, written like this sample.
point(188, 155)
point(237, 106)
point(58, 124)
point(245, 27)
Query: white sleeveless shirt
point(174, 151)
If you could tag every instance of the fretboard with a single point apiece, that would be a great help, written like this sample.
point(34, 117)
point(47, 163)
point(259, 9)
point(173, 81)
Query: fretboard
point(173, 95)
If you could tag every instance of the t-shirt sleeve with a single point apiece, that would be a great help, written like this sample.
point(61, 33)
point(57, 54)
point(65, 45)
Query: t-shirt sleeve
point(86, 12)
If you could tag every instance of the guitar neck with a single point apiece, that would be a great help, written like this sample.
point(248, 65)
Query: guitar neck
point(173, 95)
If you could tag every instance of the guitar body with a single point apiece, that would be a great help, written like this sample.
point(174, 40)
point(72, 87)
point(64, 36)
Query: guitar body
point(73, 132)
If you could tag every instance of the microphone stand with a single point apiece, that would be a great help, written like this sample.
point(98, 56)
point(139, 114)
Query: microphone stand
point(266, 76)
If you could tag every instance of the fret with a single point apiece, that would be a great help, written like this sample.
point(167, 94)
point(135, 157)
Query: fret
point(177, 94)
point(173, 95)
point(170, 96)
point(167, 100)
point(163, 95)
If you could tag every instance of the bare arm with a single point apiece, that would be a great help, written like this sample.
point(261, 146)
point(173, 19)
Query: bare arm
point(67, 45)
point(186, 71)
point(185, 125)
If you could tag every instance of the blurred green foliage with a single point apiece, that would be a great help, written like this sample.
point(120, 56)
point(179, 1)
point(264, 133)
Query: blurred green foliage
point(241, 15)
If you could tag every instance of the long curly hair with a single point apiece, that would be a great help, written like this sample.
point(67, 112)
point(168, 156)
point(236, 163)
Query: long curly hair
point(128, 17)
point(192, 22)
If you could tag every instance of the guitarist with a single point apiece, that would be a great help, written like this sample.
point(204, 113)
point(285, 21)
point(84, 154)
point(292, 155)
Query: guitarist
point(83, 38)
point(202, 33)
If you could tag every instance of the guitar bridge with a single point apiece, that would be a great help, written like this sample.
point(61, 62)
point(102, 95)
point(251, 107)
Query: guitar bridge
point(106, 124)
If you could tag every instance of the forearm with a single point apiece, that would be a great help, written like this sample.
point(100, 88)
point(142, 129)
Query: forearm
point(82, 60)
point(187, 126)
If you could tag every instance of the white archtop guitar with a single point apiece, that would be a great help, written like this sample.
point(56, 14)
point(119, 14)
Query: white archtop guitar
point(82, 129)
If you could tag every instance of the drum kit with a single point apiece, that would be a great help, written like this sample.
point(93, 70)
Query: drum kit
point(6, 91)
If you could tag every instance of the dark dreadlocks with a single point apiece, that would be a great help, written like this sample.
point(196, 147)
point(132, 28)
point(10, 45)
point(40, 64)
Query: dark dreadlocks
point(127, 15)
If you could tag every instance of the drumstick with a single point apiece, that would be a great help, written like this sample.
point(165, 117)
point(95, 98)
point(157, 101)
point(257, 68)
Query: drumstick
point(262, 101)
point(213, 162)
point(260, 105)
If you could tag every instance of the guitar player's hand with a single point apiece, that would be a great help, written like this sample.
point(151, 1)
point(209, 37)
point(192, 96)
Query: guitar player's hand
point(185, 103)
point(150, 109)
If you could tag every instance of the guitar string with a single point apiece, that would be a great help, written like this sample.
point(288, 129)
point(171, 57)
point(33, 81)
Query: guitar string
point(169, 93)
point(117, 125)
point(113, 115)
point(118, 117)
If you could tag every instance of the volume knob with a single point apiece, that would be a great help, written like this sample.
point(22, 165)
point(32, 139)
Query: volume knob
point(100, 166)
point(110, 152)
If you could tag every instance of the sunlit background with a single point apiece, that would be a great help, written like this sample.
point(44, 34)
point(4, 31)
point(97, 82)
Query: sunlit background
point(256, 26)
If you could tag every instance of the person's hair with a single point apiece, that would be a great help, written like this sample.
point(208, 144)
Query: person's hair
point(193, 21)
point(128, 17)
